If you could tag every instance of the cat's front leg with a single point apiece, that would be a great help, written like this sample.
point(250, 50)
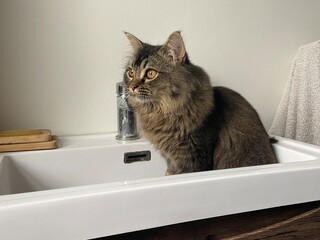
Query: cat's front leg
point(179, 166)
point(173, 167)
point(172, 171)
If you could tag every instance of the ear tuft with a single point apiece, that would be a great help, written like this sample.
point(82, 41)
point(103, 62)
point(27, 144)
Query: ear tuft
point(176, 50)
point(136, 44)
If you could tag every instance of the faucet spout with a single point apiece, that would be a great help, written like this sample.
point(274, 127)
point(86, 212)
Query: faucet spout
point(127, 124)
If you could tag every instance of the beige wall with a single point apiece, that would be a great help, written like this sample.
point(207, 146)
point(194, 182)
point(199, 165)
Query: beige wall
point(60, 59)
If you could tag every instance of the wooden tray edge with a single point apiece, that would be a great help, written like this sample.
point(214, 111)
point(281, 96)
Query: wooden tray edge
point(43, 135)
point(52, 144)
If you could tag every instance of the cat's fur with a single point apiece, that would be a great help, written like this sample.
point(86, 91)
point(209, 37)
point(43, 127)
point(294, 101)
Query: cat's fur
point(194, 126)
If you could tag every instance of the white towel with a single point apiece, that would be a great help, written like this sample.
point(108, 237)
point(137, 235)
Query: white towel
point(298, 115)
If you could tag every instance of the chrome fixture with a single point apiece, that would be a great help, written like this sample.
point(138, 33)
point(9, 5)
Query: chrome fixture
point(127, 124)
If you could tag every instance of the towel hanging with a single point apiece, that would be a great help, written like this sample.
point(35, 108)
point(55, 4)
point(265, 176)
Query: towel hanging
point(298, 114)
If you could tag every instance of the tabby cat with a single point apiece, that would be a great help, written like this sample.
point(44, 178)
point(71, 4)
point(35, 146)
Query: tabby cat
point(196, 127)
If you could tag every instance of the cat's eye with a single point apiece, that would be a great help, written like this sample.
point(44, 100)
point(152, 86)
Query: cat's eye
point(130, 73)
point(151, 74)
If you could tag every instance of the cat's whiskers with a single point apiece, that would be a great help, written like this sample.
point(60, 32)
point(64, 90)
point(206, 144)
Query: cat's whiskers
point(142, 95)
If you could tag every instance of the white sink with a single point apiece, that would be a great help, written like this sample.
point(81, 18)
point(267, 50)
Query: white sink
point(46, 170)
point(85, 190)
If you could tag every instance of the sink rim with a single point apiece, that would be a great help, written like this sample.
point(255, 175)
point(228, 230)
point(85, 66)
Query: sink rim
point(129, 185)
point(73, 143)
point(99, 141)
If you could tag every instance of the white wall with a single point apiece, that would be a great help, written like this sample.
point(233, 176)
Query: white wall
point(60, 59)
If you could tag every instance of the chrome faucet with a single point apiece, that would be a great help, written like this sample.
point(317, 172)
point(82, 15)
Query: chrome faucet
point(127, 124)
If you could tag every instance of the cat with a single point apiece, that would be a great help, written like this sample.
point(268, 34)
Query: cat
point(196, 127)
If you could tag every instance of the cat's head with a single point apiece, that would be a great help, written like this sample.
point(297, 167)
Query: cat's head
point(157, 74)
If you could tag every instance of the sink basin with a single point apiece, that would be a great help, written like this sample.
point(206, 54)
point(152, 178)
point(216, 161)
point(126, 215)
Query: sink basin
point(85, 189)
point(46, 170)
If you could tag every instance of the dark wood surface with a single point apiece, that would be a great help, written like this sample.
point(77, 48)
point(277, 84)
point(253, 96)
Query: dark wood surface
point(300, 221)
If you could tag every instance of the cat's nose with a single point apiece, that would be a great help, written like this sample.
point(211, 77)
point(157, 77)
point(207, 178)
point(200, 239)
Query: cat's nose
point(132, 87)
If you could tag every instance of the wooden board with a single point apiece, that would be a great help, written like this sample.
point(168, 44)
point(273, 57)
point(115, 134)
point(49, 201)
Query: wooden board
point(30, 146)
point(25, 136)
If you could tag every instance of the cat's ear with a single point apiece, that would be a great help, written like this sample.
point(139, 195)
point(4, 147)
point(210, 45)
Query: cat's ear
point(175, 49)
point(136, 44)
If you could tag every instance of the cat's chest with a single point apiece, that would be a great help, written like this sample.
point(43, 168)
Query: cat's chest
point(164, 141)
point(167, 126)
point(165, 131)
